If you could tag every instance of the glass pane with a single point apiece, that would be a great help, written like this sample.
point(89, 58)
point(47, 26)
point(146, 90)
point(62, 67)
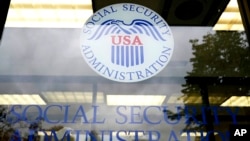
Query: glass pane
point(47, 90)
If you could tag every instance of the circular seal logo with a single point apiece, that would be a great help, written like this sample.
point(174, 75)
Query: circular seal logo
point(126, 42)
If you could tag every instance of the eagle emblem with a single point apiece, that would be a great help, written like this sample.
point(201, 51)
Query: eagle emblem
point(137, 26)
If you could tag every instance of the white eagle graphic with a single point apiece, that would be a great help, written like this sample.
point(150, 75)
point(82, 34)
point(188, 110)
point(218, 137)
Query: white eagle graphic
point(137, 26)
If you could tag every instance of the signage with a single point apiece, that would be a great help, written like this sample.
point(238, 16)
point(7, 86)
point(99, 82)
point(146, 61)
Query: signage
point(120, 122)
point(126, 42)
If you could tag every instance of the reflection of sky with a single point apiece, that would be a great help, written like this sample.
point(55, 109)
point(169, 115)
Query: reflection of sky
point(57, 51)
point(182, 35)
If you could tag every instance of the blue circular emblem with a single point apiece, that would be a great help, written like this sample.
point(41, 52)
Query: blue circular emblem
point(126, 42)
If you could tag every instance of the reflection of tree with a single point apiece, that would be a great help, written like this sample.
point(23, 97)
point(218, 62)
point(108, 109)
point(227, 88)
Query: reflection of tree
point(221, 55)
point(10, 130)
point(220, 67)
point(13, 129)
point(5, 128)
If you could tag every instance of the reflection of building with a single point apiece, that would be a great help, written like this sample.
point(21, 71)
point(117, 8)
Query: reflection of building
point(44, 64)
